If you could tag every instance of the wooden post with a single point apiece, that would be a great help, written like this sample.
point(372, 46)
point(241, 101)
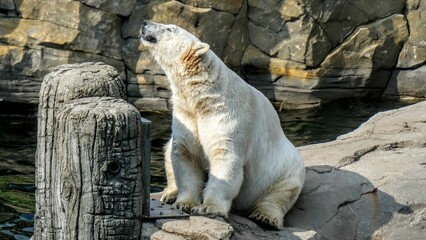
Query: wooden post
point(89, 156)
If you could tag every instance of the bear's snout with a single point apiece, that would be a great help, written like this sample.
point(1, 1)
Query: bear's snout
point(145, 34)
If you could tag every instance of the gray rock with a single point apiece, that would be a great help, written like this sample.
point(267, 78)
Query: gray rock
point(413, 54)
point(147, 91)
point(371, 46)
point(237, 41)
point(407, 83)
point(215, 228)
point(147, 79)
point(298, 52)
point(161, 235)
point(74, 26)
point(150, 104)
point(122, 7)
point(7, 5)
point(339, 18)
point(202, 227)
point(138, 59)
point(232, 6)
point(142, 10)
point(300, 41)
point(273, 14)
point(255, 60)
point(22, 69)
point(366, 183)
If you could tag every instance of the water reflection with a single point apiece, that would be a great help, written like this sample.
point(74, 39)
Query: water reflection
point(18, 146)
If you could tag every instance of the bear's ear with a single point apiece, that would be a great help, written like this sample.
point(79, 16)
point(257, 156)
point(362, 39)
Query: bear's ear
point(200, 48)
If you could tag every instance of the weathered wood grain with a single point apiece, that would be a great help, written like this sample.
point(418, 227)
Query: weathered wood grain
point(89, 156)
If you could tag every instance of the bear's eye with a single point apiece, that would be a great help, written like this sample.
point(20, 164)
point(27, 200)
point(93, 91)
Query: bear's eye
point(169, 29)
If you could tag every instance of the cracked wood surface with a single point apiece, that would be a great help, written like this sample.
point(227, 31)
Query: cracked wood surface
point(88, 162)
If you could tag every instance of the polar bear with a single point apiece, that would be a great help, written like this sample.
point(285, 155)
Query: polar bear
point(227, 147)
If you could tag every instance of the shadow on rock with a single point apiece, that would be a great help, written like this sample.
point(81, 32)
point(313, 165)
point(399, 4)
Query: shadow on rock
point(340, 204)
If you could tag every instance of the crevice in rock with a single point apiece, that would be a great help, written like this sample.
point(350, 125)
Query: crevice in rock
point(310, 191)
point(356, 156)
point(320, 169)
point(346, 203)
point(211, 8)
point(355, 6)
point(410, 208)
point(354, 30)
point(102, 10)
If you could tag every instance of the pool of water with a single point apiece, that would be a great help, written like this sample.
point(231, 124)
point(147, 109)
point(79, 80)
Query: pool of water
point(18, 146)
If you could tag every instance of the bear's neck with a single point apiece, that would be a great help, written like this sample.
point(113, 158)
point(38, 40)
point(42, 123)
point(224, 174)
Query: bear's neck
point(197, 90)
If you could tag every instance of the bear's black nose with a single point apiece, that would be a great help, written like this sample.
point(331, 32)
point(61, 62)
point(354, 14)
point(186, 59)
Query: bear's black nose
point(144, 23)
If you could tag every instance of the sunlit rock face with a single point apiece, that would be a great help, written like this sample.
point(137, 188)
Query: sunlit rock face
point(297, 52)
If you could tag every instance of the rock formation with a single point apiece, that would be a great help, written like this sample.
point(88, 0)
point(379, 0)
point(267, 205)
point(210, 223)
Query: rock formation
point(298, 52)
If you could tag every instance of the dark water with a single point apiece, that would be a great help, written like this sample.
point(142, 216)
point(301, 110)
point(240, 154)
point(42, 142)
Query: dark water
point(18, 145)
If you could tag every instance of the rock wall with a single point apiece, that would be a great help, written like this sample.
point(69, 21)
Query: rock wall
point(297, 52)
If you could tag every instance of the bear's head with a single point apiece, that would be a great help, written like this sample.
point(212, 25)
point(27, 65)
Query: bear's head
point(175, 49)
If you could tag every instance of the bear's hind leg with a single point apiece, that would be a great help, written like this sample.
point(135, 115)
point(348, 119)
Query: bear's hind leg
point(271, 208)
point(170, 192)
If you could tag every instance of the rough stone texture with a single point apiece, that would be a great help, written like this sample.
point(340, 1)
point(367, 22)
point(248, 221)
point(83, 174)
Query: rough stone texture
point(318, 50)
point(339, 18)
point(413, 53)
point(367, 184)
point(122, 7)
point(232, 6)
point(215, 228)
point(372, 46)
point(7, 5)
point(407, 83)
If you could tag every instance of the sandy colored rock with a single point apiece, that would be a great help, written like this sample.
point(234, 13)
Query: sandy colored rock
point(413, 54)
point(371, 46)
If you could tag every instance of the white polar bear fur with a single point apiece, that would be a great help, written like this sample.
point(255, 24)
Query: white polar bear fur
point(227, 147)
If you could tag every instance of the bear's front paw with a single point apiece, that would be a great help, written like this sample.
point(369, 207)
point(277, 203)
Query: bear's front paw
point(169, 196)
point(207, 209)
point(185, 206)
point(268, 219)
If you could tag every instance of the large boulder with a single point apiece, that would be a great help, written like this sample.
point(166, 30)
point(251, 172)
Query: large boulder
point(366, 184)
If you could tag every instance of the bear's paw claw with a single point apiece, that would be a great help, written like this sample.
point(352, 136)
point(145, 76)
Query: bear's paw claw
point(185, 206)
point(169, 196)
point(205, 209)
point(267, 219)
